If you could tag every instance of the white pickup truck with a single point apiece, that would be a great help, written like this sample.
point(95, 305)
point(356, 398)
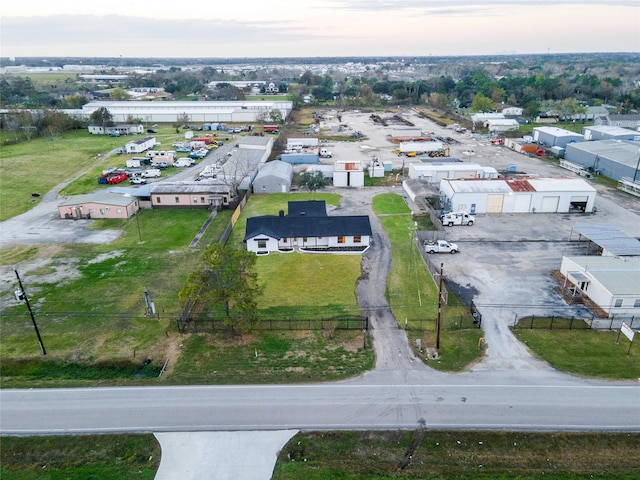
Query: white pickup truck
point(440, 246)
point(457, 218)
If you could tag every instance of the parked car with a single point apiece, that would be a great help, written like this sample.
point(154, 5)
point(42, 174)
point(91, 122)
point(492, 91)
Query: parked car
point(161, 164)
point(152, 130)
point(138, 180)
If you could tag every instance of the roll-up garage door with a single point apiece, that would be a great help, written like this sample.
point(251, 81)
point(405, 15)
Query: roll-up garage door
point(494, 203)
point(550, 204)
point(522, 203)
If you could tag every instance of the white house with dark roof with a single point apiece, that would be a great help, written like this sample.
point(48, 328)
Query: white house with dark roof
point(308, 229)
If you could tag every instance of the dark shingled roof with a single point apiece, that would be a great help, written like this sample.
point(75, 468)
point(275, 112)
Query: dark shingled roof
point(307, 226)
point(309, 208)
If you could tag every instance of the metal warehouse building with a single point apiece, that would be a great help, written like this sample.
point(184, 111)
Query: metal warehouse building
point(615, 159)
point(273, 177)
point(519, 195)
point(555, 136)
point(198, 112)
point(609, 132)
point(434, 172)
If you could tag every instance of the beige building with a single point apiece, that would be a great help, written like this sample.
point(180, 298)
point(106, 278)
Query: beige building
point(99, 205)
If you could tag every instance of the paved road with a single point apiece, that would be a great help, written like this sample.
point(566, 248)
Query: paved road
point(346, 406)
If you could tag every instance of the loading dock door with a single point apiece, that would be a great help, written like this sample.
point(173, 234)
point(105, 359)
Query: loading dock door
point(494, 203)
point(522, 204)
point(549, 204)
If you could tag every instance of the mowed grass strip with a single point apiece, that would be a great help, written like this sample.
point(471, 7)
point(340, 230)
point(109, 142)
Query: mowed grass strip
point(584, 352)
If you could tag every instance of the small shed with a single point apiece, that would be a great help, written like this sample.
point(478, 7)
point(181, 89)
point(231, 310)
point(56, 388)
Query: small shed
point(348, 173)
point(273, 177)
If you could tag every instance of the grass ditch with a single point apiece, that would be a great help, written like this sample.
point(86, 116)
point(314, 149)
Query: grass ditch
point(107, 457)
point(461, 455)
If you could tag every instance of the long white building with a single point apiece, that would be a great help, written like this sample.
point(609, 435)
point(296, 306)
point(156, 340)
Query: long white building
point(197, 112)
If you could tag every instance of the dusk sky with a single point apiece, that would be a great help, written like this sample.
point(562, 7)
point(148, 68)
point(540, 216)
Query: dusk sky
point(316, 28)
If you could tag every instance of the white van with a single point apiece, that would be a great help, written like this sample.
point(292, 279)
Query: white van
point(151, 173)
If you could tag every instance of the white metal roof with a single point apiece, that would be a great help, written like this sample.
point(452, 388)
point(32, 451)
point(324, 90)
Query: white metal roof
point(619, 275)
point(561, 185)
point(557, 131)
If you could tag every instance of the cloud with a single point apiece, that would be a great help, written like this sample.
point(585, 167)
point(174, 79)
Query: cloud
point(73, 33)
point(462, 7)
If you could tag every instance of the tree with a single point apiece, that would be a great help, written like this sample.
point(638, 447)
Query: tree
point(313, 180)
point(227, 279)
point(102, 116)
point(275, 116)
point(481, 103)
point(119, 94)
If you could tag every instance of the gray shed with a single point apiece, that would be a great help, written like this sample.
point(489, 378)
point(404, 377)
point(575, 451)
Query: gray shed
point(273, 177)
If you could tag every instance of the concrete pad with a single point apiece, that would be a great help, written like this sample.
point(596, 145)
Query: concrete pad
point(220, 455)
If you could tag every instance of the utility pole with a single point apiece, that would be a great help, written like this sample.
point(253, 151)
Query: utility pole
point(151, 308)
point(439, 308)
point(21, 295)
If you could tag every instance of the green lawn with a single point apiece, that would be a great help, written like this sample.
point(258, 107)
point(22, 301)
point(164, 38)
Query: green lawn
point(584, 352)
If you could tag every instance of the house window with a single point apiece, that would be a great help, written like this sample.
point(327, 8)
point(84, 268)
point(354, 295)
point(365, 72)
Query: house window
point(304, 239)
point(617, 303)
point(262, 244)
point(158, 200)
point(357, 239)
point(636, 304)
point(102, 211)
point(341, 239)
point(177, 199)
point(284, 240)
point(195, 200)
point(201, 199)
point(118, 210)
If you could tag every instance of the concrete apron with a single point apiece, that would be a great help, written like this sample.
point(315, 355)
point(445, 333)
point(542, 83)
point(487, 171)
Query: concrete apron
point(220, 455)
